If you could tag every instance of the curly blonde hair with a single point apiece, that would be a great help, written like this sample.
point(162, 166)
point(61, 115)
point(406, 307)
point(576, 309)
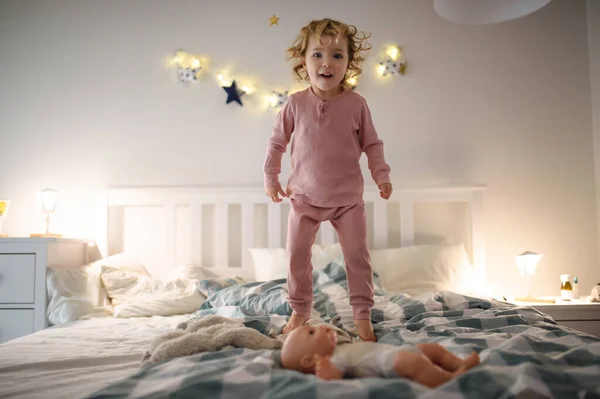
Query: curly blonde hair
point(357, 47)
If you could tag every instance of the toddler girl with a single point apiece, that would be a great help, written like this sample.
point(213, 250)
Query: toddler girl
point(332, 127)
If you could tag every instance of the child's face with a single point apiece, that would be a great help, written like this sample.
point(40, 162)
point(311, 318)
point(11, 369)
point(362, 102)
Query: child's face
point(326, 62)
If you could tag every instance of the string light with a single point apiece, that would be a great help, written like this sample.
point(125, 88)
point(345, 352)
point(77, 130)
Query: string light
point(183, 59)
point(393, 63)
point(394, 52)
point(271, 100)
point(223, 79)
point(277, 99)
point(189, 66)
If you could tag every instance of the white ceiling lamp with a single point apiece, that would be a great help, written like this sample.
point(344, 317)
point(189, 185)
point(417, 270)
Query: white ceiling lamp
point(485, 12)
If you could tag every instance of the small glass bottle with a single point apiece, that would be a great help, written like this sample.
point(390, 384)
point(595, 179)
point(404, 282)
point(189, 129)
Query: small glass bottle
point(575, 288)
point(566, 289)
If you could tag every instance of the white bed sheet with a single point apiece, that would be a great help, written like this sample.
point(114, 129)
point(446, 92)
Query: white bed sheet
point(76, 359)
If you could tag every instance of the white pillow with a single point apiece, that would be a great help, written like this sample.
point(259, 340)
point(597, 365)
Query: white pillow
point(76, 293)
point(424, 268)
point(137, 295)
point(196, 272)
point(124, 261)
point(272, 263)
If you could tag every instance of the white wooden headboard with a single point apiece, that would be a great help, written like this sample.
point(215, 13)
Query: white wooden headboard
point(214, 226)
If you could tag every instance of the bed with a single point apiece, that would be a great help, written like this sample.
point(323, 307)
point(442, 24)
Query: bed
point(192, 252)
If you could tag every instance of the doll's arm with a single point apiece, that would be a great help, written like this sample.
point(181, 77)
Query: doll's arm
point(326, 370)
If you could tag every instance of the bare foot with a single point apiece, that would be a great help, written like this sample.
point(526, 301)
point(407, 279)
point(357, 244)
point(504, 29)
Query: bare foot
point(365, 330)
point(468, 364)
point(294, 322)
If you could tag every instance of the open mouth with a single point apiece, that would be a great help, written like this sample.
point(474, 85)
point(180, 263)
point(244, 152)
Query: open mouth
point(326, 75)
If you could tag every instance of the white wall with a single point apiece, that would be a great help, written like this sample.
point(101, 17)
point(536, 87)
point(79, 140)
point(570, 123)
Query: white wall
point(593, 24)
point(87, 103)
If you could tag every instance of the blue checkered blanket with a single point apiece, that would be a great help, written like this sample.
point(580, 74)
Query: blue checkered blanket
point(524, 353)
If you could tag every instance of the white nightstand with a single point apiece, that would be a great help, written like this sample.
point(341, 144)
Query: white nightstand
point(23, 264)
point(576, 314)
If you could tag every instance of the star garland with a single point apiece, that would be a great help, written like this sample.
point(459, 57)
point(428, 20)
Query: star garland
point(233, 93)
point(190, 66)
point(278, 99)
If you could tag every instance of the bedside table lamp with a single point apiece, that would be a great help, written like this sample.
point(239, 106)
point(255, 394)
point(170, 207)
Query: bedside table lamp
point(527, 263)
point(4, 203)
point(48, 199)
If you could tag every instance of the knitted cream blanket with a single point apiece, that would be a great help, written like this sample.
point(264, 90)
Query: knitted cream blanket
point(214, 333)
point(211, 333)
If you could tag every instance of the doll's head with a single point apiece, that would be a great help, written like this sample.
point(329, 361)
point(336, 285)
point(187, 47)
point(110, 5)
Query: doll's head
point(303, 343)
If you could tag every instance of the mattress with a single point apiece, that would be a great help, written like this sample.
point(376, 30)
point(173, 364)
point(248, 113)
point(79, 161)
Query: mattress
point(75, 359)
point(524, 353)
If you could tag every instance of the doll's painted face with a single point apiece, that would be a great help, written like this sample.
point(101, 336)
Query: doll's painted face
point(302, 344)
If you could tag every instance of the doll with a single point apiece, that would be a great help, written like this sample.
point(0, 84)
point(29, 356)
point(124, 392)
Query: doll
point(314, 350)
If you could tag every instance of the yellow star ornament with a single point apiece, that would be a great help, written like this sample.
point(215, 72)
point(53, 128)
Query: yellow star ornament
point(273, 20)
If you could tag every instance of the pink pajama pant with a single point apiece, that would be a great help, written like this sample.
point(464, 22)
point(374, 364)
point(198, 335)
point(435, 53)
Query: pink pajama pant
point(351, 226)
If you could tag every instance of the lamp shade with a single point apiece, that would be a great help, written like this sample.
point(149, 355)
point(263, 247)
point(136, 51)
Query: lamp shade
point(485, 12)
point(49, 198)
point(4, 203)
point(527, 263)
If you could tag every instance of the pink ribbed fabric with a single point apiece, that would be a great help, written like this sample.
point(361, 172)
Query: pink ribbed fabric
point(329, 137)
point(326, 184)
point(351, 226)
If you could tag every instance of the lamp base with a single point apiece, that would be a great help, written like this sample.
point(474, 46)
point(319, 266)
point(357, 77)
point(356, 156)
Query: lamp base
point(531, 299)
point(45, 235)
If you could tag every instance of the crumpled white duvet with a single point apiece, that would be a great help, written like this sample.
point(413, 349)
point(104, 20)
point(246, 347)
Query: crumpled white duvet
point(76, 359)
point(135, 295)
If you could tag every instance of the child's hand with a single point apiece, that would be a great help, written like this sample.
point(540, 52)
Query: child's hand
point(385, 190)
point(273, 193)
point(325, 370)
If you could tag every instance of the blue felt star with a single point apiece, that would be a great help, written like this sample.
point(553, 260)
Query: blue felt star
point(233, 94)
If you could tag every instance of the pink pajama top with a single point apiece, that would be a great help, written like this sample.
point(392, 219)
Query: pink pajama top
point(329, 137)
